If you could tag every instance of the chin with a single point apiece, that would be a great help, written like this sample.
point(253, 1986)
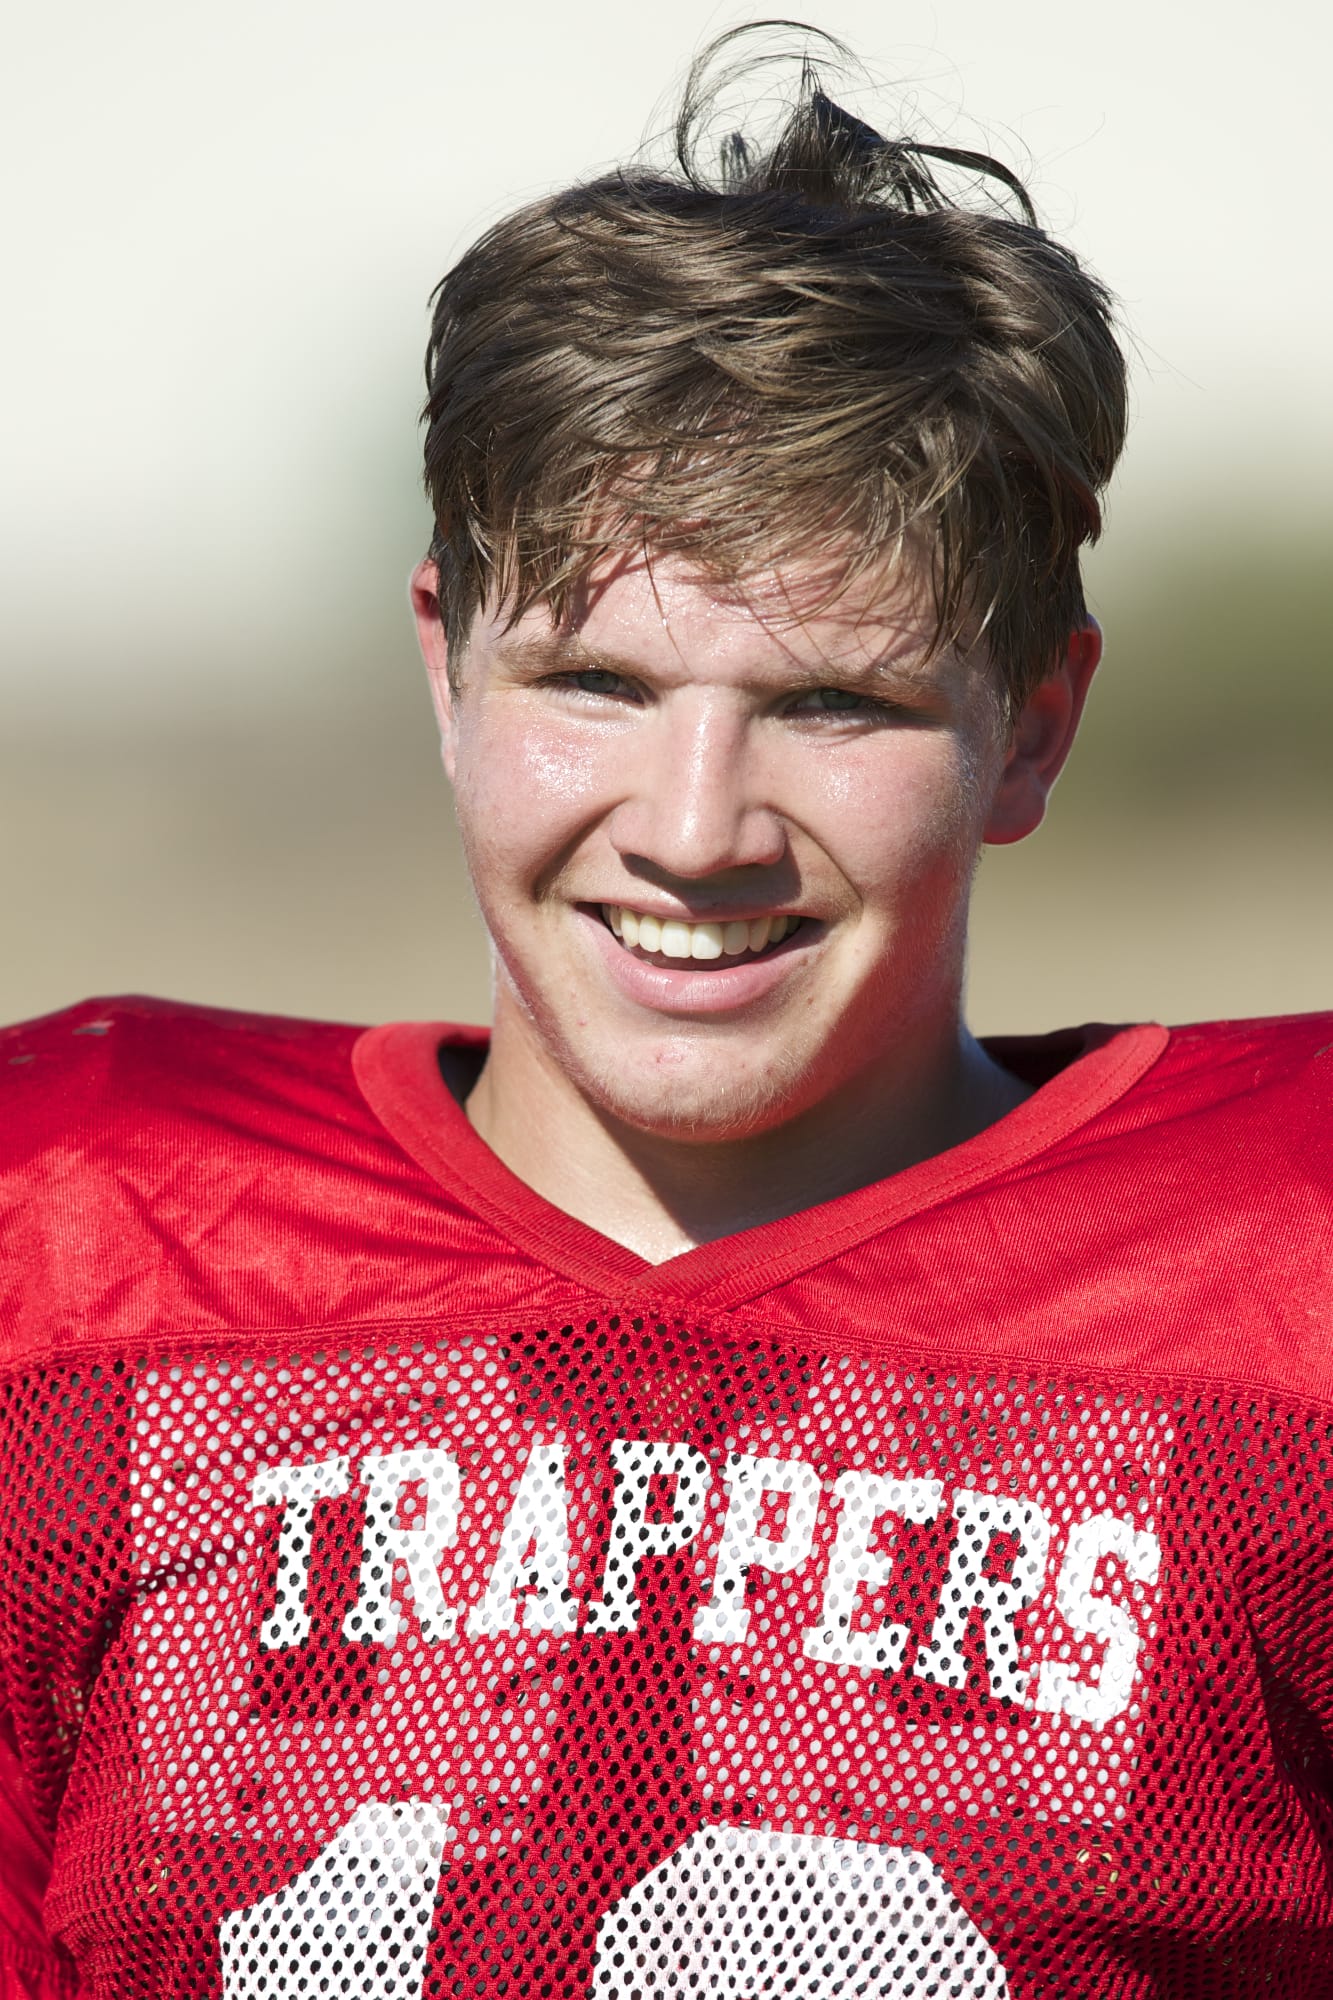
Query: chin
point(673, 1097)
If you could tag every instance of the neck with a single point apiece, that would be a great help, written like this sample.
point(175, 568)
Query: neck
point(660, 1195)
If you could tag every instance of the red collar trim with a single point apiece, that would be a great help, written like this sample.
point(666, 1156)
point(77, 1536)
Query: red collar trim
point(397, 1068)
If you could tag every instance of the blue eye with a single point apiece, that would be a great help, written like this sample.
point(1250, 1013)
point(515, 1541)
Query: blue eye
point(598, 681)
point(835, 701)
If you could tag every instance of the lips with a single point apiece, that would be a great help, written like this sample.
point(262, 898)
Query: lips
point(675, 938)
point(697, 988)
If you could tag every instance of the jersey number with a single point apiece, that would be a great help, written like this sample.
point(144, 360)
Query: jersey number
point(733, 1914)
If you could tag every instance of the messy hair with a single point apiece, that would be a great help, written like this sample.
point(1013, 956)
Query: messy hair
point(800, 345)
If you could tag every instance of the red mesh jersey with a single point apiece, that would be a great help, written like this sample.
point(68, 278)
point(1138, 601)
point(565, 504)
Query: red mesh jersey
point(408, 1594)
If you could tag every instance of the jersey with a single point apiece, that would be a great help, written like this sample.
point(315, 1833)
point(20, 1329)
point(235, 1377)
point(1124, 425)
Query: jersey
point(408, 1593)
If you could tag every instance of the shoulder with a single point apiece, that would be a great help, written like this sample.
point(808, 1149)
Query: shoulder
point(1234, 1119)
point(1179, 1225)
point(139, 1136)
point(1266, 1047)
point(1149, 1099)
point(112, 1070)
point(1207, 1245)
point(1275, 1073)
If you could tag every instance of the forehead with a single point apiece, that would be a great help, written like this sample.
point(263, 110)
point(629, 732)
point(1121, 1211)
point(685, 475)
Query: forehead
point(669, 616)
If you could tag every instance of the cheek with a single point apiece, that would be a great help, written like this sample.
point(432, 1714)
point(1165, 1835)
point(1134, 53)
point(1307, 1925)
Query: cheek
point(524, 789)
point(909, 808)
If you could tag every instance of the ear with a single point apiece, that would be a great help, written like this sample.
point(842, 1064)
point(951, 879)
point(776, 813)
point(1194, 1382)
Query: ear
point(1043, 736)
point(425, 592)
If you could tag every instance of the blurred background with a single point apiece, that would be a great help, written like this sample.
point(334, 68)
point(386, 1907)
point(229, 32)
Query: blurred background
point(218, 767)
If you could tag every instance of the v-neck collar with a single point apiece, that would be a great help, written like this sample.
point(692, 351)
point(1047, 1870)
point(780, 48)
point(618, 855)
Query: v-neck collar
point(1079, 1073)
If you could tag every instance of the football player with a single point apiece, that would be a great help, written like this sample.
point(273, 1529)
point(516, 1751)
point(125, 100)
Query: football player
point(724, 1485)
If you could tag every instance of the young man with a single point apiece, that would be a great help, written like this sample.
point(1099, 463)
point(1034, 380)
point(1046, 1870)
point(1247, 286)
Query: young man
point(730, 1486)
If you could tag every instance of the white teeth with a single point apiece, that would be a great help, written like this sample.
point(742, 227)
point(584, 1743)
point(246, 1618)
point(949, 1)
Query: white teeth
point(673, 937)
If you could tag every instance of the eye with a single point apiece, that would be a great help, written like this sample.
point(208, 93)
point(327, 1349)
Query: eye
point(837, 701)
point(597, 681)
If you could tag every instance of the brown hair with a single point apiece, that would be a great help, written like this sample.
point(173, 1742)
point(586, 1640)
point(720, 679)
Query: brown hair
point(810, 345)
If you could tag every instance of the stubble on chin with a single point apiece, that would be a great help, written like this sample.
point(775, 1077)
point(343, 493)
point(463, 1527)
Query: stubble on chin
point(675, 1092)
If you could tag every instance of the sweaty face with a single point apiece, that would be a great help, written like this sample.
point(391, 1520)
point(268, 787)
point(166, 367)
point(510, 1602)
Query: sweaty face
point(723, 843)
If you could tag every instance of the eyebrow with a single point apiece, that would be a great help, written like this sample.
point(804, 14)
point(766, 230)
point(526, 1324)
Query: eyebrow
point(558, 649)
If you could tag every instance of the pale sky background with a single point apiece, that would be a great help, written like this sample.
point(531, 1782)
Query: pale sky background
point(217, 778)
point(226, 220)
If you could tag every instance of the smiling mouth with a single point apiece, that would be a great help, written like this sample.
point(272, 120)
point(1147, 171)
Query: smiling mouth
point(672, 938)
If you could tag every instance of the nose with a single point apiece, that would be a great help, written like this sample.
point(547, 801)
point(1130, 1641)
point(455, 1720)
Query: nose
point(695, 803)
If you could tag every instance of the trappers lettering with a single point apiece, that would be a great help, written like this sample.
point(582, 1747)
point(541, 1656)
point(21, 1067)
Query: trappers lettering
point(422, 1556)
point(1000, 1556)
